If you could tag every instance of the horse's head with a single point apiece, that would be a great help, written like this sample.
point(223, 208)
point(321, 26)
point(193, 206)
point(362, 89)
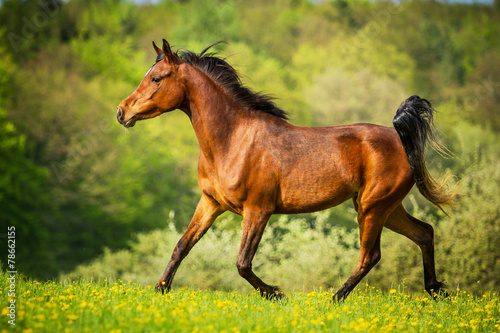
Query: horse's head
point(159, 91)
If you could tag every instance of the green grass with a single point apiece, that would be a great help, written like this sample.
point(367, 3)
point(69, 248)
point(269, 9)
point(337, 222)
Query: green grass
point(116, 307)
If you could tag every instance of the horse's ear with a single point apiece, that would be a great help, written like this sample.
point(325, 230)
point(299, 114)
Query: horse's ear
point(157, 49)
point(169, 55)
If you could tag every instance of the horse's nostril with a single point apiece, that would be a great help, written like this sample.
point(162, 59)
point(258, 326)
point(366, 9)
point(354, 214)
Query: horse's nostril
point(119, 115)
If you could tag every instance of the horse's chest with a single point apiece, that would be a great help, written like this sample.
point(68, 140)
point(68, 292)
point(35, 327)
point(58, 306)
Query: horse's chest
point(241, 179)
point(229, 191)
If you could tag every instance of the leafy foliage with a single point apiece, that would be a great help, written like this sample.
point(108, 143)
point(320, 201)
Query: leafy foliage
point(24, 201)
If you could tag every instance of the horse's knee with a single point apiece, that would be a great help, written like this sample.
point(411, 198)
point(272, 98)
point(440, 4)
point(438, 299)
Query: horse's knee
point(180, 252)
point(371, 260)
point(376, 258)
point(244, 269)
point(176, 254)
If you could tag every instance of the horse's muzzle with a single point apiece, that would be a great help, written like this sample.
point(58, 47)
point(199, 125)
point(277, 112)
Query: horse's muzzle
point(120, 115)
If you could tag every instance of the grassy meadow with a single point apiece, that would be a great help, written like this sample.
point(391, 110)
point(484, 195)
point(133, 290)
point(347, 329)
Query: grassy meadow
point(119, 307)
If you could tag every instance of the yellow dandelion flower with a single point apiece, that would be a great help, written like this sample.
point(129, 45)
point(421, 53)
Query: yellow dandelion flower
point(71, 317)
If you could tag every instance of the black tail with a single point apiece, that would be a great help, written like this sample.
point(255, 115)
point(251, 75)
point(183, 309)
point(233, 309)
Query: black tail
point(413, 122)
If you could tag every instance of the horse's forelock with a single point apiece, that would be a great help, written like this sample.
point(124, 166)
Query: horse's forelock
point(160, 57)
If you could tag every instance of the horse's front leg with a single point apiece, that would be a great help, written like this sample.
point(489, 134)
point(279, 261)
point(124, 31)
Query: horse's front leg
point(254, 224)
point(204, 216)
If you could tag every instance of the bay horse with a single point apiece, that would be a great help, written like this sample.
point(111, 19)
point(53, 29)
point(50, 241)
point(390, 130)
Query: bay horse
point(254, 163)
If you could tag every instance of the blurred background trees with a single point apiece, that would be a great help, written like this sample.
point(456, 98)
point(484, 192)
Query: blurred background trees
point(74, 182)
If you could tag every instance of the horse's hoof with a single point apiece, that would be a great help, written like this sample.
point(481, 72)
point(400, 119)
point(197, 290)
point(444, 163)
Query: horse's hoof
point(274, 294)
point(161, 287)
point(340, 295)
point(440, 294)
point(437, 291)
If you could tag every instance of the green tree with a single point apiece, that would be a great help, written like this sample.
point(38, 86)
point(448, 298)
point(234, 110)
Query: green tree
point(32, 25)
point(24, 200)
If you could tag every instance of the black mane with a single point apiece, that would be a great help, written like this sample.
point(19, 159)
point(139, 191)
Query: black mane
point(224, 74)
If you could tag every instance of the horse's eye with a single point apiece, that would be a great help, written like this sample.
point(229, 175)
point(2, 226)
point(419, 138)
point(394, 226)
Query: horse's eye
point(156, 79)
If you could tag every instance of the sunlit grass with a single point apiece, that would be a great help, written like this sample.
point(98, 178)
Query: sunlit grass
point(115, 307)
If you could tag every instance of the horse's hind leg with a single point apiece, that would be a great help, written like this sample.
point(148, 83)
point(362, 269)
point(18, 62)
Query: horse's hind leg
point(203, 218)
point(254, 224)
point(423, 235)
point(370, 228)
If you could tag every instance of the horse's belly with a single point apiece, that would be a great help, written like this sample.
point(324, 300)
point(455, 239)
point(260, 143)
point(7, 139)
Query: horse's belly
point(312, 194)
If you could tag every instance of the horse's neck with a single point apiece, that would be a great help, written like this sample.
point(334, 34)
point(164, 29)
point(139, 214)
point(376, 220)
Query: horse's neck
point(214, 115)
